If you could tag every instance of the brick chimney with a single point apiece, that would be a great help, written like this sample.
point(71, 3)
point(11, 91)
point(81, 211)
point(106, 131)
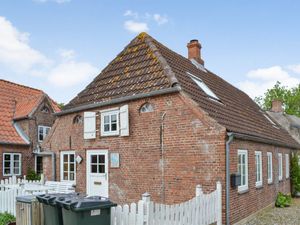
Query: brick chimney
point(277, 106)
point(194, 51)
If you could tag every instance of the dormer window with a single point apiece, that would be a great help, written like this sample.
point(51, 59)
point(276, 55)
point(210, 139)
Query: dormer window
point(147, 107)
point(203, 87)
point(45, 109)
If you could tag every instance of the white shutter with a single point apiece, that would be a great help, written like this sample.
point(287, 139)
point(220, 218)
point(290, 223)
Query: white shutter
point(124, 120)
point(89, 125)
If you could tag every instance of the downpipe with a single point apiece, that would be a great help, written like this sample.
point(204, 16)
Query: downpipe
point(230, 139)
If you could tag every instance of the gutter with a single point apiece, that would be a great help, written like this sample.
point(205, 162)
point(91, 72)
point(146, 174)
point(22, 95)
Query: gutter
point(230, 139)
point(11, 143)
point(52, 154)
point(174, 89)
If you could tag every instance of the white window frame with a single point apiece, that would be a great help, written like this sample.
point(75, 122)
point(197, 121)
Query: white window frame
point(287, 166)
point(270, 167)
point(12, 164)
point(258, 169)
point(62, 153)
point(244, 187)
point(280, 167)
point(44, 132)
point(109, 113)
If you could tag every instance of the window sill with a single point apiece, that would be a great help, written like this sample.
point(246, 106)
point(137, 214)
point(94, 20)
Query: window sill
point(270, 182)
point(109, 134)
point(240, 192)
point(259, 186)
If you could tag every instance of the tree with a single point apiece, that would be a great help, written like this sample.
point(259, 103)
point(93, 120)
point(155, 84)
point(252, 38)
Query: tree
point(289, 96)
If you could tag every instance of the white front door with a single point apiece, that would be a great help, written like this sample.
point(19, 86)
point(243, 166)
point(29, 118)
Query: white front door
point(97, 173)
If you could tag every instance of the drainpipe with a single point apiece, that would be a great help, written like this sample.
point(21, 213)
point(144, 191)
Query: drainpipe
point(162, 150)
point(230, 139)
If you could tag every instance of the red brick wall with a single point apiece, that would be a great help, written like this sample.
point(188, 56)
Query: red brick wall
point(243, 205)
point(27, 157)
point(194, 147)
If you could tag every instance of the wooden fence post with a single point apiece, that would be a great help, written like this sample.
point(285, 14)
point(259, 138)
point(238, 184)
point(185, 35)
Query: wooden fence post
point(219, 202)
point(146, 197)
point(199, 191)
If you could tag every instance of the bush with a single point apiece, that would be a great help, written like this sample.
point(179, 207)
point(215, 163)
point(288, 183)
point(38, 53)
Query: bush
point(295, 174)
point(283, 200)
point(6, 218)
point(32, 175)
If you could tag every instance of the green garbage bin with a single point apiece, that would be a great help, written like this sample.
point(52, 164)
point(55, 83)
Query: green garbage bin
point(53, 211)
point(93, 210)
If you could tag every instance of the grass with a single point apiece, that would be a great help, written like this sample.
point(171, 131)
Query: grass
point(6, 218)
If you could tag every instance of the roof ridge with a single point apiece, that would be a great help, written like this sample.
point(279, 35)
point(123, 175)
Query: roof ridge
point(21, 85)
point(166, 67)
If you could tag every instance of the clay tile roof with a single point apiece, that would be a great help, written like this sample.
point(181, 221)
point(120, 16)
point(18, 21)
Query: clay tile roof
point(145, 65)
point(17, 101)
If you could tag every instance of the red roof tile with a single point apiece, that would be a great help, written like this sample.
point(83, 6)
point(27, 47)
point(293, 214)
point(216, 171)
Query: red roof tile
point(17, 101)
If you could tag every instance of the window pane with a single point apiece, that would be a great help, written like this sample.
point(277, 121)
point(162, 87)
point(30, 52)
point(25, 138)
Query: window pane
point(7, 164)
point(72, 167)
point(114, 118)
point(72, 157)
point(94, 168)
point(16, 157)
point(7, 157)
point(106, 127)
point(16, 171)
point(101, 168)
point(66, 158)
point(72, 176)
point(7, 171)
point(66, 167)
point(65, 175)
point(94, 159)
point(101, 158)
point(16, 164)
point(113, 127)
point(47, 130)
point(106, 119)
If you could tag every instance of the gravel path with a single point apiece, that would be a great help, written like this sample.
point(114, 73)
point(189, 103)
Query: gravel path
point(279, 216)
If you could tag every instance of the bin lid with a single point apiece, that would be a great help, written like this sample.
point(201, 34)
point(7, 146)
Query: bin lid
point(26, 199)
point(50, 198)
point(87, 203)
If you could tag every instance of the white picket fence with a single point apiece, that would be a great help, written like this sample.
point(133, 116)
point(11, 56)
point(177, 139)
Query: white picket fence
point(9, 190)
point(204, 209)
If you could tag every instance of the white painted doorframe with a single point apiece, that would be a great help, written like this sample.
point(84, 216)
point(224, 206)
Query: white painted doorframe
point(97, 180)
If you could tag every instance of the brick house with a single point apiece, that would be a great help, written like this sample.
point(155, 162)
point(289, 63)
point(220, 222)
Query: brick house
point(155, 121)
point(26, 115)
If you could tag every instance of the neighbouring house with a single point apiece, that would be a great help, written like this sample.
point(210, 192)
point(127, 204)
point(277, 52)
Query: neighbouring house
point(155, 121)
point(26, 116)
point(290, 123)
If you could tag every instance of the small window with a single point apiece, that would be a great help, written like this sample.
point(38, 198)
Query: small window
point(287, 166)
point(45, 109)
point(110, 123)
point(279, 166)
point(203, 87)
point(42, 132)
point(270, 167)
point(258, 167)
point(243, 169)
point(147, 107)
point(68, 166)
point(98, 164)
point(11, 164)
point(77, 119)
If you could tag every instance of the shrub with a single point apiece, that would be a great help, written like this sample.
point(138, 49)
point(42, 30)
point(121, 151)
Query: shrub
point(295, 174)
point(6, 218)
point(32, 175)
point(283, 200)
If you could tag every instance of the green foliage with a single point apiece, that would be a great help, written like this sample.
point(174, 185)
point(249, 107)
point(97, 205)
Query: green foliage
point(290, 98)
point(6, 218)
point(61, 105)
point(295, 174)
point(283, 200)
point(32, 175)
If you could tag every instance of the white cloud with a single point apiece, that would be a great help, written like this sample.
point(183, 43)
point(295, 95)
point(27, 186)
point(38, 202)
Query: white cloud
point(135, 27)
point(57, 1)
point(15, 51)
point(294, 68)
point(71, 73)
point(67, 54)
point(131, 13)
point(160, 19)
point(259, 80)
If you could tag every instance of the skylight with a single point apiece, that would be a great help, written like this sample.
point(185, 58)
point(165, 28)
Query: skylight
point(203, 86)
point(198, 65)
point(270, 120)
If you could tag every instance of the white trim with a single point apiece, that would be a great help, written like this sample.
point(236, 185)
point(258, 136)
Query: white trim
point(287, 166)
point(62, 153)
point(88, 168)
point(108, 110)
point(270, 164)
point(244, 187)
point(110, 113)
point(258, 183)
point(11, 164)
point(280, 166)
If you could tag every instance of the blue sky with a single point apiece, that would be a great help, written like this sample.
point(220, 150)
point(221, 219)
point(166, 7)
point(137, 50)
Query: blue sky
point(61, 45)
